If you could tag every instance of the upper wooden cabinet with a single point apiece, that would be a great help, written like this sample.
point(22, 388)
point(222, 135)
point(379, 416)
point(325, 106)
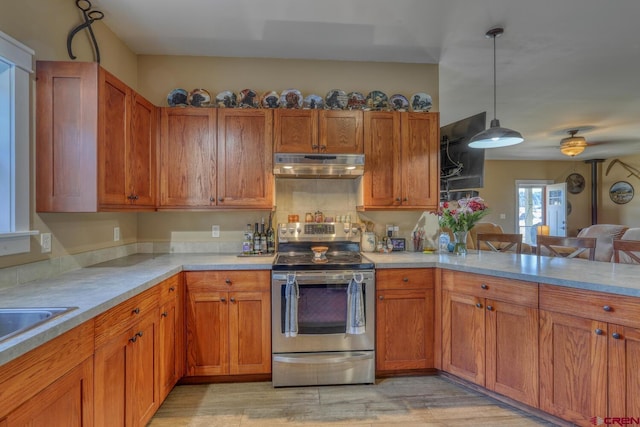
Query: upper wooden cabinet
point(318, 131)
point(216, 158)
point(95, 141)
point(401, 160)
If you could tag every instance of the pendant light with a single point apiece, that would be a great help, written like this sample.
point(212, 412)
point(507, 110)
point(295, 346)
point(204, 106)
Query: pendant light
point(572, 145)
point(495, 136)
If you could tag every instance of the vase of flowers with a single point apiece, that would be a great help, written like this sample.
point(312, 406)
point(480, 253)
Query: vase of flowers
point(460, 217)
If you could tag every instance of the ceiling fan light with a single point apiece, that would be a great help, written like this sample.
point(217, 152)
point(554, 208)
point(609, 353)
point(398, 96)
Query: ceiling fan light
point(572, 145)
point(495, 137)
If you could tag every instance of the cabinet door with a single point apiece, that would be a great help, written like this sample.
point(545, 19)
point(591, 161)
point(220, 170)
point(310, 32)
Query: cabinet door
point(463, 336)
point(381, 181)
point(573, 367)
point(245, 158)
point(188, 157)
point(624, 376)
point(167, 348)
point(512, 351)
point(68, 402)
point(114, 118)
point(250, 332)
point(420, 160)
point(404, 329)
point(110, 381)
point(142, 391)
point(141, 153)
point(295, 131)
point(340, 132)
point(207, 333)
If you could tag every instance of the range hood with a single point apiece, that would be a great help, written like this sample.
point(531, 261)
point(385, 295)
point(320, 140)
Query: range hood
point(293, 165)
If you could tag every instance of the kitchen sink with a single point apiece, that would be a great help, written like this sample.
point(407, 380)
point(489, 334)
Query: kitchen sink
point(14, 321)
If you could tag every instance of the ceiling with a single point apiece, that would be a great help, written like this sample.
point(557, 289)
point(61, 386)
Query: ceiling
point(561, 64)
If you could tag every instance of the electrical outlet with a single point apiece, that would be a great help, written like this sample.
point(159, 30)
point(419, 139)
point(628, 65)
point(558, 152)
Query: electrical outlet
point(116, 234)
point(215, 231)
point(503, 216)
point(45, 243)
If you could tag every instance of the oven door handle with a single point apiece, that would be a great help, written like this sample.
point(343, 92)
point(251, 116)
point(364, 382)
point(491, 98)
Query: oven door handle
point(318, 359)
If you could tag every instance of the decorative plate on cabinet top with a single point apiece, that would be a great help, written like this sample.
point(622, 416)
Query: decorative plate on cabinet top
point(226, 99)
point(421, 102)
point(313, 102)
point(199, 98)
point(291, 98)
point(270, 100)
point(399, 102)
point(377, 100)
point(248, 98)
point(178, 98)
point(356, 101)
point(336, 99)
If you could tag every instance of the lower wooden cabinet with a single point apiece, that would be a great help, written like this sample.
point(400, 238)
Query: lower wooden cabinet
point(404, 319)
point(228, 323)
point(490, 333)
point(171, 349)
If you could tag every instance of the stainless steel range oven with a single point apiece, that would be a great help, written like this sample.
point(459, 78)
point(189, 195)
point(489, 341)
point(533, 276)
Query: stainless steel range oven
point(323, 308)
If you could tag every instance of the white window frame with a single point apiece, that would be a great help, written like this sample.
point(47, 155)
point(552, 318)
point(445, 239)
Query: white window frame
point(15, 236)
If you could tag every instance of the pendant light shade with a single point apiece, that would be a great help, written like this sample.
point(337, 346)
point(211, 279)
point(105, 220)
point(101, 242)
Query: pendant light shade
point(496, 136)
point(572, 145)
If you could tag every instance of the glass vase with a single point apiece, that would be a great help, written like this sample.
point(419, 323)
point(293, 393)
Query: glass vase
point(460, 243)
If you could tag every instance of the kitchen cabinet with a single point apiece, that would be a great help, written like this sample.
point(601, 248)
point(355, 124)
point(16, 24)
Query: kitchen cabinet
point(126, 341)
point(404, 320)
point(490, 333)
point(402, 156)
point(318, 131)
point(171, 334)
point(95, 141)
point(52, 385)
point(228, 322)
point(213, 158)
point(589, 351)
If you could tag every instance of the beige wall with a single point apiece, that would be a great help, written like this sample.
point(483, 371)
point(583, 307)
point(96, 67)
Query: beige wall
point(610, 212)
point(43, 25)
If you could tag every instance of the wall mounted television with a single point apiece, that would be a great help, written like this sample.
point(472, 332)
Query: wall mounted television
point(461, 167)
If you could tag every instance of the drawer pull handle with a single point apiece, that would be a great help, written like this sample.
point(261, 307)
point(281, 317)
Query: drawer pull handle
point(139, 334)
point(223, 299)
point(598, 331)
point(616, 336)
point(133, 339)
point(171, 289)
point(135, 310)
point(405, 279)
point(490, 307)
point(479, 305)
point(484, 286)
point(607, 308)
point(164, 314)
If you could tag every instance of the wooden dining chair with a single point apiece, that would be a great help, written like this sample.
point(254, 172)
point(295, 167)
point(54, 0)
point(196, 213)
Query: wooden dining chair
point(630, 251)
point(488, 240)
point(567, 247)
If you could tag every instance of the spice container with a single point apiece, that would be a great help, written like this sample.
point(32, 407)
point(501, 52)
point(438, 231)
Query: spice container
point(293, 218)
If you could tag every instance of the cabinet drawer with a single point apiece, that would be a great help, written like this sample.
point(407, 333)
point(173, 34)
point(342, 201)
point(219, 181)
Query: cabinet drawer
point(168, 289)
point(623, 310)
point(496, 288)
point(246, 280)
point(419, 278)
point(122, 316)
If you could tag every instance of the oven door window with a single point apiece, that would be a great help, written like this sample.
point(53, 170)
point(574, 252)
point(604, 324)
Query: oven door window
point(322, 309)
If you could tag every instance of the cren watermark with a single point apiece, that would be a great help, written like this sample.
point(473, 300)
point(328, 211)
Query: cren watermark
point(620, 421)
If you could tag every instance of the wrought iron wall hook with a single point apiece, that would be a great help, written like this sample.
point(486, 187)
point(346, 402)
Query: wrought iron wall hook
point(90, 16)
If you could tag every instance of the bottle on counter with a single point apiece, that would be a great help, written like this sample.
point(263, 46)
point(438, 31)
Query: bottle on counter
point(444, 242)
point(247, 241)
point(263, 238)
point(256, 240)
point(271, 238)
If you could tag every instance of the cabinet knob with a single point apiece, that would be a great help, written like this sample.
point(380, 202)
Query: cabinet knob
point(397, 199)
point(479, 305)
point(136, 197)
point(232, 299)
point(139, 334)
point(598, 331)
point(314, 146)
point(227, 281)
point(616, 336)
point(323, 148)
point(171, 289)
point(133, 339)
point(223, 299)
point(135, 310)
point(607, 308)
point(405, 279)
point(164, 314)
point(381, 297)
point(405, 199)
point(130, 197)
point(484, 286)
point(220, 199)
point(490, 307)
point(212, 199)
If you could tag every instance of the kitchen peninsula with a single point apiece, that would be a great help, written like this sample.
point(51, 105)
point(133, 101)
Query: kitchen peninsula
point(559, 284)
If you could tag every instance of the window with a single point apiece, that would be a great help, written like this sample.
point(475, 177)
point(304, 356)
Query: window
point(15, 69)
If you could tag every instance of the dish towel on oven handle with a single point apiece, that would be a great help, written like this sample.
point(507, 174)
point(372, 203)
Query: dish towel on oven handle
point(355, 306)
point(291, 295)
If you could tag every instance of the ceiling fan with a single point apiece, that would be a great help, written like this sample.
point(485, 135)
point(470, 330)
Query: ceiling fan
point(574, 144)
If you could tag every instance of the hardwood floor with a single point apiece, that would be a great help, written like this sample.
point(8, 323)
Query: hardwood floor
point(405, 401)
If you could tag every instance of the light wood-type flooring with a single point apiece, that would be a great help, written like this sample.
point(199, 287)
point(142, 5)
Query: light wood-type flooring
point(404, 401)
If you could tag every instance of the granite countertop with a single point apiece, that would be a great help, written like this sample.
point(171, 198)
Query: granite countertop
point(96, 289)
